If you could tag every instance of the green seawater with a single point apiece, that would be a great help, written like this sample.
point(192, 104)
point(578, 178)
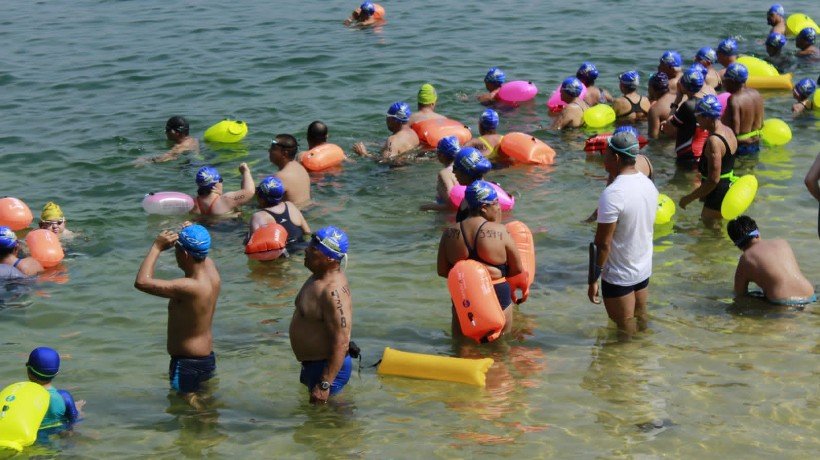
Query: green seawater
point(86, 87)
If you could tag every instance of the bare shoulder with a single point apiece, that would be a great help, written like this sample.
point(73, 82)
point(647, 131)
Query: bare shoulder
point(452, 232)
point(493, 230)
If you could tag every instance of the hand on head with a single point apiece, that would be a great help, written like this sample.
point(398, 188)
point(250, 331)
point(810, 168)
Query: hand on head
point(166, 239)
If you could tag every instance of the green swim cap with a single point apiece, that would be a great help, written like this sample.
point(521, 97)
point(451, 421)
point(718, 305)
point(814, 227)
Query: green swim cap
point(427, 94)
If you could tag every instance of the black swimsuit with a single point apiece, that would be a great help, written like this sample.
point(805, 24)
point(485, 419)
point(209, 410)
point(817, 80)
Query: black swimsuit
point(727, 164)
point(295, 232)
point(636, 107)
point(502, 289)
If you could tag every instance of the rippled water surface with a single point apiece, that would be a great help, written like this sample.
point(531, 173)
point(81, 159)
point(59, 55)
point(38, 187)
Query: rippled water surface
point(86, 87)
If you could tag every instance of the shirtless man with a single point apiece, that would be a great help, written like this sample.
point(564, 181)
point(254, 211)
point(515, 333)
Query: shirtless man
point(770, 264)
point(588, 73)
point(805, 43)
point(488, 140)
point(661, 99)
point(706, 57)
point(744, 111)
point(670, 63)
point(726, 56)
point(282, 152)
point(14, 266)
point(323, 317)
point(210, 199)
point(631, 106)
point(776, 17)
point(427, 98)
point(177, 132)
point(573, 114)
point(492, 81)
point(191, 305)
point(316, 136)
point(400, 143)
point(774, 48)
point(363, 16)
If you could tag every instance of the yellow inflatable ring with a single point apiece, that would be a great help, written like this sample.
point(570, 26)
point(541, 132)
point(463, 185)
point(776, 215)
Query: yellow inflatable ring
point(666, 209)
point(739, 197)
point(227, 132)
point(431, 367)
point(599, 116)
point(22, 408)
point(758, 67)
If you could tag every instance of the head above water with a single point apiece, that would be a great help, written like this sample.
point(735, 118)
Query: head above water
point(495, 76)
point(448, 147)
point(626, 129)
point(178, 125)
point(777, 9)
point(399, 111)
point(701, 67)
point(427, 95)
point(195, 240)
point(472, 163)
point(692, 79)
point(206, 179)
point(587, 73)
point(727, 47)
point(709, 107)
point(659, 82)
point(776, 40)
point(367, 9)
point(43, 363)
point(572, 87)
point(331, 241)
point(805, 88)
point(736, 72)
point(287, 143)
point(630, 79)
point(480, 193)
point(271, 190)
point(317, 132)
point(806, 37)
point(51, 212)
point(8, 240)
point(488, 120)
point(706, 56)
point(742, 231)
point(672, 59)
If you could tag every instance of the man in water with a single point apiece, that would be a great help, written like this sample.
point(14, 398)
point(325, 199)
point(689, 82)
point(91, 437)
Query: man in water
point(776, 17)
point(774, 47)
point(802, 93)
point(316, 136)
point(622, 250)
point(282, 153)
point(726, 56)
point(323, 317)
point(572, 116)
point(211, 199)
point(53, 219)
point(402, 141)
point(805, 43)
point(488, 140)
point(363, 16)
point(191, 305)
point(670, 63)
point(689, 138)
point(177, 132)
point(661, 99)
point(588, 73)
point(630, 106)
point(744, 111)
point(770, 264)
point(427, 98)
point(492, 81)
point(706, 57)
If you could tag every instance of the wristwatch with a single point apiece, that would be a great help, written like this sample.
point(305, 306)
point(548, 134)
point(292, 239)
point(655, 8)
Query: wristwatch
point(325, 385)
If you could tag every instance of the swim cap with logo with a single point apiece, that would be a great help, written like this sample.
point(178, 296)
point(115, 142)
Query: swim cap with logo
point(626, 129)
point(805, 88)
point(8, 239)
point(659, 81)
point(427, 94)
point(368, 8)
point(495, 75)
point(692, 79)
point(479, 193)
point(44, 362)
point(195, 240)
point(488, 119)
point(776, 40)
point(777, 9)
point(400, 111)
point(736, 72)
point(708, 106)
point(671, 58)
point(808, 34)
point(332, 242)
point(701, 67)
point(630, 79)
point(572, 87)
point(706, 54)
point(587, 73)
point(625, 143)
point(207, 176)
point(51, 211)
point(728, 47)
point(271, 190)
point(471, 162)
point(448, 146)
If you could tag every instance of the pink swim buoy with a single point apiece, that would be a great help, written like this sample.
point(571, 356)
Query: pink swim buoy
point(515, 92)
point(724, 101)
point(506, 201)
point(555, 104)
point(167, 203)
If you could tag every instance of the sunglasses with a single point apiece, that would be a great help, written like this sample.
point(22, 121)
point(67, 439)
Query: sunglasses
point(52, 223)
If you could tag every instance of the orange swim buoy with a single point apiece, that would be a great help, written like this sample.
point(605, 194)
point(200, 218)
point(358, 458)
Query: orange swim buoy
point(379, 13)
point(432, 130)
point(45, 247)
point(267, 242)
point(598, 143)
point(522, 236)
point(526, 149)
point(14, 213)
point(323, 157)
point(479, 313)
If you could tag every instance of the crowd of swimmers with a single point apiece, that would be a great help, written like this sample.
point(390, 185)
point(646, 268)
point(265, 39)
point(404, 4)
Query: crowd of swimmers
point(681, 104)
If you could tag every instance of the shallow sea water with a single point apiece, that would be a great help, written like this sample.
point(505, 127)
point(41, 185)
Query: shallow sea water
point(87, 87)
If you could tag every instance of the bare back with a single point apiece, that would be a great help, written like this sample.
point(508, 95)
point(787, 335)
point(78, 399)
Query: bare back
point(426, 113)
point(296, 180)
point(490, 242)
point(401, 142)
point(771, 264)
point(191, 314)
point(744, 113)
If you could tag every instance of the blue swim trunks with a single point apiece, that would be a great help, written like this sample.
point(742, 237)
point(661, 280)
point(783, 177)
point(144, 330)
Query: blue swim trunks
point(795, 302)
point(187, 374)
point(312, 371)
point(747, 149)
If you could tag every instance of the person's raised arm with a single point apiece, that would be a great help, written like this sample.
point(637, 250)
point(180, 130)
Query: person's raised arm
point(240, 197)
point(146, 282)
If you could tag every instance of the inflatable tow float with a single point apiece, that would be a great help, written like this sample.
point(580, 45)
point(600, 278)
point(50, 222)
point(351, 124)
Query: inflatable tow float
point(22, 408)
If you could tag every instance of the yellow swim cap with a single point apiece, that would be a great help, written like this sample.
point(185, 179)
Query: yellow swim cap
point(51, 211)
point(427, 94)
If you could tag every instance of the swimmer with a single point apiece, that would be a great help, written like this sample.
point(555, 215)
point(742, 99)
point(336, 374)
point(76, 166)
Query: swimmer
point(482, 237)
point(191, 305)
point(726, 56)
point(802, 93)
point(775, 43)
point(323, 318)
point(573, 114)
point(426, 98)
point(469, 166)
point(705, 88)
point(282, 153)
point(707, 57)
point(661, 99)
point(53, 219)
point(744, 111)
point(812, 182)
point(622, 251)
point(716, 165)
point(670, 63)
point(9, 250)
point(363, 16)
point(270, 194)
point(776, 17)
point(489, 141)
point(446, 151)
point(805, 43)
point(403, 140)
point(588, 73)
point(42, 366)
point(177, 132)
point(316, 136)
point(770, 264)
point(630, 106)
point(688, 140)
point(210, 199)
point(492, 81)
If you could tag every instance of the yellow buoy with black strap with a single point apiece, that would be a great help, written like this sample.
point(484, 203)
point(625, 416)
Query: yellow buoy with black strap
point(22, 408)
point(775, 132)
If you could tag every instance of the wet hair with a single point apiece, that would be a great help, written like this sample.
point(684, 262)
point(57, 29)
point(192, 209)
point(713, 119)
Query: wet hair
point(317, 131)
point(177, 124)
point(742, 230)
point(6, 251)
point(289, 144)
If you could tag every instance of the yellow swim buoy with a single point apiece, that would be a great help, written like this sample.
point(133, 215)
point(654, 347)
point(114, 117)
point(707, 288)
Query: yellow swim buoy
point(799, 21)
point(771, 82)
point(666, 209)
point(816, 100)
point(758, 67)
point(775, 132)
point(430, 367)
point(599, 116)
point(22, 408)
point(739, 197)
point(227, 132)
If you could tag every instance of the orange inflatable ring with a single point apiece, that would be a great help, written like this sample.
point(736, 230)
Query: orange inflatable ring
point(477, 309)
point(522, 236)
point(45, 247)
point(379, 13)
point(267, 242)
point(526, 149)
point(323, 157)
point(432, 130)
point(598, 143)
point(14, 213)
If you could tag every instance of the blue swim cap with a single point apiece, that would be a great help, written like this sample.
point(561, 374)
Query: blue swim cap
point(671, 58)
point(736, 72)
point(448, 146)
point(626, 129)
point(488, 119)
point(701, 67)
point(207, 176)
point(44, 362)
point(368, 8)
point(195, 240)
point(630, 79)
point(495, 75)
point(572, 86)
point(587, 73)
point(728, 47)
point(777, 9)
point(808, 34)
point(659, 81)
point(776, 40)
point(400, 111)
point(805, 88)
point(706, 54)
point(478, 193)
point(271, 190)
point(692, 79)
point(8, 239)
point(708, 106)
point(471, 162)
point(332, 242)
